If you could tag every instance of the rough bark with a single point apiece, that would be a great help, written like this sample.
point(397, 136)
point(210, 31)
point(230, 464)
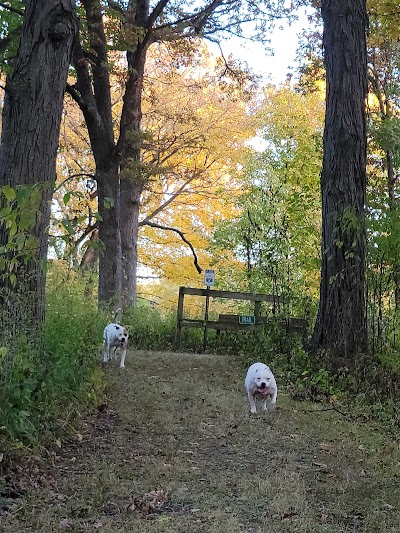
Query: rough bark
point(32, 111)
point(110, 280)
point(341, 322)
point(132, 173)
point(92, 92)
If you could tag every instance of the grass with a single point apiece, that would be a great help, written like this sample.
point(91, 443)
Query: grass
point(175, 449)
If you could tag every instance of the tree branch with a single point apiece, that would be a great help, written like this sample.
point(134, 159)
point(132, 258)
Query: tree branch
point(11, 9)
point(182, 236)
point(73, 176)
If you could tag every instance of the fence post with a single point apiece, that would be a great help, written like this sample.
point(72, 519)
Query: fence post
point(206, 321)
point(179, 317)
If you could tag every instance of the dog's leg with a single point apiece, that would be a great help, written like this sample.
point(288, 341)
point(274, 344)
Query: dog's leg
point(253, 407)
point(106, 353)
point(272, 403)
point(264, 405)
point(123, 355)
point(113, 353)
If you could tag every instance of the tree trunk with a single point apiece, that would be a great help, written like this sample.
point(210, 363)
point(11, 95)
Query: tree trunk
point(32, 111)
point(132, 173)
point(130, 204)
point(341, 322)
point(92, 92)
point(110, 273)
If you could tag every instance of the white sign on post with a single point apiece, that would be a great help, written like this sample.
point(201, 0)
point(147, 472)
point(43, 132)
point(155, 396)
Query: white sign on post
point(209, 277)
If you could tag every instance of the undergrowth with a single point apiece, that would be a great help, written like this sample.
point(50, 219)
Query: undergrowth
point(45, 383)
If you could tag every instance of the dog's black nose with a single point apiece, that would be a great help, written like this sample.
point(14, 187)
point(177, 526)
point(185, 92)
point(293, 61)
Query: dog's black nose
point(262, 386)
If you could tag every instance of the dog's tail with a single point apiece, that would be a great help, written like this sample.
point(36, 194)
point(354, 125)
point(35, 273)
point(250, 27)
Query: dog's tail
point(118, 315)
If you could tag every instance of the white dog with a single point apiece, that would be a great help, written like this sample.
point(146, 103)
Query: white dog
point(260, 382)
point(115, 336)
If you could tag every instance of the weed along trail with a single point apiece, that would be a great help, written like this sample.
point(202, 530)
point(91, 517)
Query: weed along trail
point(176, 450)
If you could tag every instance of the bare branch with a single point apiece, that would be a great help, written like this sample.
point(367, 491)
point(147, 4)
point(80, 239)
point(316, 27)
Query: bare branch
point(201, 20)
point(73, 176)
point(195, 174)
point(182, 236)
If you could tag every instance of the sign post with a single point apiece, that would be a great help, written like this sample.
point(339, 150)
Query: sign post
point(209, 278)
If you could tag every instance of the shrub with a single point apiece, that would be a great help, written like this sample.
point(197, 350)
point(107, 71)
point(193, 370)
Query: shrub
point(148, 329)
point(45, 381)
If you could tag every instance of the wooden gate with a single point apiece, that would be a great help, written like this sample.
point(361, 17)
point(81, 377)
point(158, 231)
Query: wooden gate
point(231, 322)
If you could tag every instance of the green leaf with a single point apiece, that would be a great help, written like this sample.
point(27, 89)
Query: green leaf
point(68, 226)
point(9, 192)
point(109, 202)
point(66, 198)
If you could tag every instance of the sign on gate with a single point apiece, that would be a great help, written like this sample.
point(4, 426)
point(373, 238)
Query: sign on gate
point(247, 319)
point(209, 277)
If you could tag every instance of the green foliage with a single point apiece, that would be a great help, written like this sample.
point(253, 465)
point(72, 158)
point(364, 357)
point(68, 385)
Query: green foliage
point(10, 27)
point(19, 206)
point(148, 329)
point(387, 135)
point(275, 236)
point(43, 385)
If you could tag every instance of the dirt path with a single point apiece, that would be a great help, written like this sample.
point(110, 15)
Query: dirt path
point(175, 450)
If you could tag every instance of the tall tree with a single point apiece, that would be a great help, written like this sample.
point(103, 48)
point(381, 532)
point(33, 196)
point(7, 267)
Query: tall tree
point(273, 227)
point(341, 327)
point(32, 111)
point(120, 172)
point(384, 113)
point(195, 135)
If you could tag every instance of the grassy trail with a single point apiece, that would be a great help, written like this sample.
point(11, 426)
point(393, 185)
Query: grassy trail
point(175, 450)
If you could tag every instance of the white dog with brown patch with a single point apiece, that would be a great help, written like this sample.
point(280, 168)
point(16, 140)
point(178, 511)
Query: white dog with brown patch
point(260, 383)
point(115, 337)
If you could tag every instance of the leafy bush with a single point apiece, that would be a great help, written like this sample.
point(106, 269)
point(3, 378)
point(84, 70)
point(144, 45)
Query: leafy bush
point(45, 381)
point(148, 329)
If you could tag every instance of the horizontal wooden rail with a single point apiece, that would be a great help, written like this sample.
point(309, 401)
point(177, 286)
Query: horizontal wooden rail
point(212, 293)
point(234, 322)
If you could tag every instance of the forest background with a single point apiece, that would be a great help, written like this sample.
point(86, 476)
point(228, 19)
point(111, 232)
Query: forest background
point(227, 177)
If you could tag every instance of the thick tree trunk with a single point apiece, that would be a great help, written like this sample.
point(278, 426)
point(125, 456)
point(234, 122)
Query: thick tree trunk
point(341, 322)
point(93, 94)
point(130, 204)
point(110, 272)
point(132, 174)
point(32, 111)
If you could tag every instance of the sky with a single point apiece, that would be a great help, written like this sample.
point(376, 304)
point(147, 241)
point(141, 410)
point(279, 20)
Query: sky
point(284, 42)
